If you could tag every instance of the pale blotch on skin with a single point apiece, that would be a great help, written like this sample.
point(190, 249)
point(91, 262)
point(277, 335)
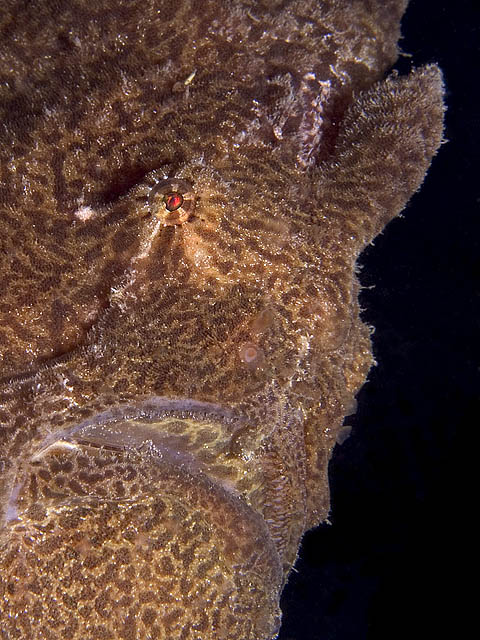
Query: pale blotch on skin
point(251, 355)
point(84, 213)
point(185, 188)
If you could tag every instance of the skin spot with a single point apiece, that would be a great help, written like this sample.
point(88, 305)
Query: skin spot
point(83, 546)
point(251, 355)
point(262, 322)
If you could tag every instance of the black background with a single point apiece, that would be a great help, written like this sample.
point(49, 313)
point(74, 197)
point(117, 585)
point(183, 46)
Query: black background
point(387, 567)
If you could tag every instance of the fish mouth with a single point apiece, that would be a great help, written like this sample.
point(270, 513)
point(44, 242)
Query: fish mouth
point(182, 435)
point(146, 490)
point(175, 430)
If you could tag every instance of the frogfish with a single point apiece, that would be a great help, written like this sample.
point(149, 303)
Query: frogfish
point(185, 188)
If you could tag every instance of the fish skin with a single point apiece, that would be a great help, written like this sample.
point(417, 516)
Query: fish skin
point(171, 393)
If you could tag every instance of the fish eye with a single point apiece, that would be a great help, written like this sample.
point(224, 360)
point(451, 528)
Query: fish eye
point(173, 201)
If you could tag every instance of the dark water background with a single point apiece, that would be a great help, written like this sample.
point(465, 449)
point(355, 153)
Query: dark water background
point(387, 567)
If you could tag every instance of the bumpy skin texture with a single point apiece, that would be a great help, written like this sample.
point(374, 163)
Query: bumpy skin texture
point(173, 381)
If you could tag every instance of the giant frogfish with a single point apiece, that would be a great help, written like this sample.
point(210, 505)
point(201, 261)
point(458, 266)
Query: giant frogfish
point(185, 188)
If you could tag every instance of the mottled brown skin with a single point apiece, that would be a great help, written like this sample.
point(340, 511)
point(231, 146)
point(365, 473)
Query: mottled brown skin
point(173, 382)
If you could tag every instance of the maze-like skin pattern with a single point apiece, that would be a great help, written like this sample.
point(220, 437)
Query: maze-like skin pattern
point(185, 188)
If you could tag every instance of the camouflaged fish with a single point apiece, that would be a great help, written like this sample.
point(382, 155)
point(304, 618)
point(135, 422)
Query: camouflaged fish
point(185, 188)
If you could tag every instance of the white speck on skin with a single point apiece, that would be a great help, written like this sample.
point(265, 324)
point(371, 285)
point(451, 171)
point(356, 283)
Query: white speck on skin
point(85, 213)
point(277, 132)
point(190, 78)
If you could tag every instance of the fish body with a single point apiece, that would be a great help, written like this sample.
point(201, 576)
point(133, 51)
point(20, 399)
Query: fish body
point(185, 189)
